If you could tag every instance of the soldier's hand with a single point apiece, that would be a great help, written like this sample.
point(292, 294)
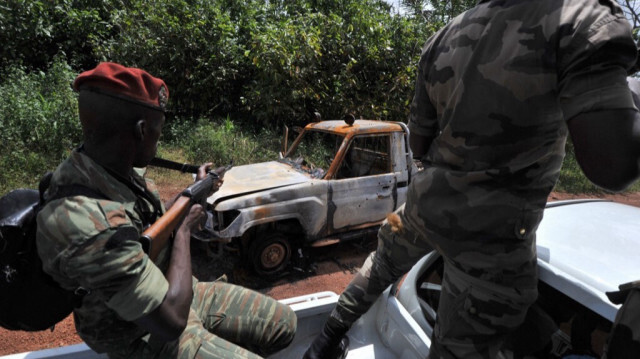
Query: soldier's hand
point(220, 171)
point(195, 219)
point(203, 170)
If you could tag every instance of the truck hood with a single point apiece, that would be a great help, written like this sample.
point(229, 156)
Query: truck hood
point(258, 177)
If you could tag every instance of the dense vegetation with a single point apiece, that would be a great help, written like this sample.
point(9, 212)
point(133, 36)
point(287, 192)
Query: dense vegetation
point(237, 70)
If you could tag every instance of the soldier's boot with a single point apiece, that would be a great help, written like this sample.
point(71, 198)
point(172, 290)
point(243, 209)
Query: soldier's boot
point(332, 343)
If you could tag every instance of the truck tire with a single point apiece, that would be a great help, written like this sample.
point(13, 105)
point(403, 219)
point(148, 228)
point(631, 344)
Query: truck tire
point(271, 254)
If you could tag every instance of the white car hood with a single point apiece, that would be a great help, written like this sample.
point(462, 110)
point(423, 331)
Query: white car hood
point(587, 249)
point(258, 177)
point(595, 242)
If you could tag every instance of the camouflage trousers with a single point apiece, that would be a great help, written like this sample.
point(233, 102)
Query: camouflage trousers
point(226, 321)
point(480, 303)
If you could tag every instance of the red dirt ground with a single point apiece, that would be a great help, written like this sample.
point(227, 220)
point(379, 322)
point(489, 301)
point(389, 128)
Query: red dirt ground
point(335, 268)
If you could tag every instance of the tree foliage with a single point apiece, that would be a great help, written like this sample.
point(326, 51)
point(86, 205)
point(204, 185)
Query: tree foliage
point(34, 32)
point(631, 10)
point(260, 63)
point(435, 11)
point(264, 61)
point(357, 58)
point(194, 46)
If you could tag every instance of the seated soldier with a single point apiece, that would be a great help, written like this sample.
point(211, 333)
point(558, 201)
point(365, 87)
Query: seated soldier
point(133, 306)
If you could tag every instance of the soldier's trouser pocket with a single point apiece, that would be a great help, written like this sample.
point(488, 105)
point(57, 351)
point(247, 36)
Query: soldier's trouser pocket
point(475, 316)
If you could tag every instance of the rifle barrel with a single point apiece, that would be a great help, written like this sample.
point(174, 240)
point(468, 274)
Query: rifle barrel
point(172, 165)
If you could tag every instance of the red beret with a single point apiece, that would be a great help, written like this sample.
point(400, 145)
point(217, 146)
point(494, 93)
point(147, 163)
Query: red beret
point(126, 83)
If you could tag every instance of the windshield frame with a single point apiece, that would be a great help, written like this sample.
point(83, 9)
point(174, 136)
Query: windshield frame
point(337, 159)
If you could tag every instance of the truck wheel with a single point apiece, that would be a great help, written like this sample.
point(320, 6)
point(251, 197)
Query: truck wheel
point(270, 254)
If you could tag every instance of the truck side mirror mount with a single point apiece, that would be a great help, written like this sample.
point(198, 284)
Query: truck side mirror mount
point(285, 142)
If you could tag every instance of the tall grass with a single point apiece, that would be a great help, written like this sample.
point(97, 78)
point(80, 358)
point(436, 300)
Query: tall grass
point(222, 142)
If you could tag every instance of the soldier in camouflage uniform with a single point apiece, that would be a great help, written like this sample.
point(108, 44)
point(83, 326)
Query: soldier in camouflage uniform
point(498, 89)
point(134, 307)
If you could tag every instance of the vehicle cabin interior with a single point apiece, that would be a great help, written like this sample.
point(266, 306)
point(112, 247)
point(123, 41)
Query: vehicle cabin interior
point(366, 156)
point(556, 326)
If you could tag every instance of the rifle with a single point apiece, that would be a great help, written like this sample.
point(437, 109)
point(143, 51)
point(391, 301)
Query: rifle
point(172, 165)
point(156, 236)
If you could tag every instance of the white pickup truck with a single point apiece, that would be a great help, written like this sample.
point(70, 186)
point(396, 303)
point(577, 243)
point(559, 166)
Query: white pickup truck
point(585, 249)
point(337, 180)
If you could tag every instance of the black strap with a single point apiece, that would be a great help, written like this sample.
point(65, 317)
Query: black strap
point(76, 190)
point(65, 190)
point(140, 189)
point(62, 192)
point(45, 181)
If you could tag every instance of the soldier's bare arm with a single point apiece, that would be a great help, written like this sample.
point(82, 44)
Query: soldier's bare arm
point(607, 146)
point(170, 318)
point(423, 123)
point(419, 144)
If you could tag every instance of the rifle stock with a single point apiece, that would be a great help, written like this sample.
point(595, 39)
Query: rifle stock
point(158, 234)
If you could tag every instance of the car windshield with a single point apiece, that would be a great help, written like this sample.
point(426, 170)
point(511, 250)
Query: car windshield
point(314, 152)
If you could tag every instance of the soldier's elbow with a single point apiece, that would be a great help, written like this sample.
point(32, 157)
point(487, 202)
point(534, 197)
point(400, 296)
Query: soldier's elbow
point(172, 333)
point(615, 180)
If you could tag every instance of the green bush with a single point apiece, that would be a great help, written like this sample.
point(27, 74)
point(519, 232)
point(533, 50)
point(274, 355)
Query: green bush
point(38, 123)
point(261, 63)
point(353, 58)
point(275, 62)
point(194, 46)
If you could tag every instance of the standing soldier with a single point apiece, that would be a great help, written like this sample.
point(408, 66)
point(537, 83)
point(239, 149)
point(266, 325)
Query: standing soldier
point(134, 307)
point(497, 92)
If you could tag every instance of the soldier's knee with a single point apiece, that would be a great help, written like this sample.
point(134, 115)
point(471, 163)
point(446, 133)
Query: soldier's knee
point(283, 331)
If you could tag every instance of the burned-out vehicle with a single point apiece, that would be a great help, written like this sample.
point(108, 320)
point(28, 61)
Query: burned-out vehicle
point(337, 180)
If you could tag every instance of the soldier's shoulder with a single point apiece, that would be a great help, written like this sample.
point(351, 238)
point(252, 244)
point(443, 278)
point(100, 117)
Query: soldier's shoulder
point(80, 216)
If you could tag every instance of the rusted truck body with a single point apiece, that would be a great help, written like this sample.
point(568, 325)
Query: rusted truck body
point(335, 182)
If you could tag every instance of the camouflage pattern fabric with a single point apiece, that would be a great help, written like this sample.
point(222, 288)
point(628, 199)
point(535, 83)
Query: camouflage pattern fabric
point(223, 314)
point(474, 315)
point(397, 252)
point(76, 242)
point(496, 87)
point(92, 243)
point(494, 90)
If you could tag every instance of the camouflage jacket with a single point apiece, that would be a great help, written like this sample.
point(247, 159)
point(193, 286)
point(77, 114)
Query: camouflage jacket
point(494, 89)
point(78, 248)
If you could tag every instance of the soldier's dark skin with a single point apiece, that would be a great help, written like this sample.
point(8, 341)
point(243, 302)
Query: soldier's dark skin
point(607, 143)
point(121, 136)
point(607, 147)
